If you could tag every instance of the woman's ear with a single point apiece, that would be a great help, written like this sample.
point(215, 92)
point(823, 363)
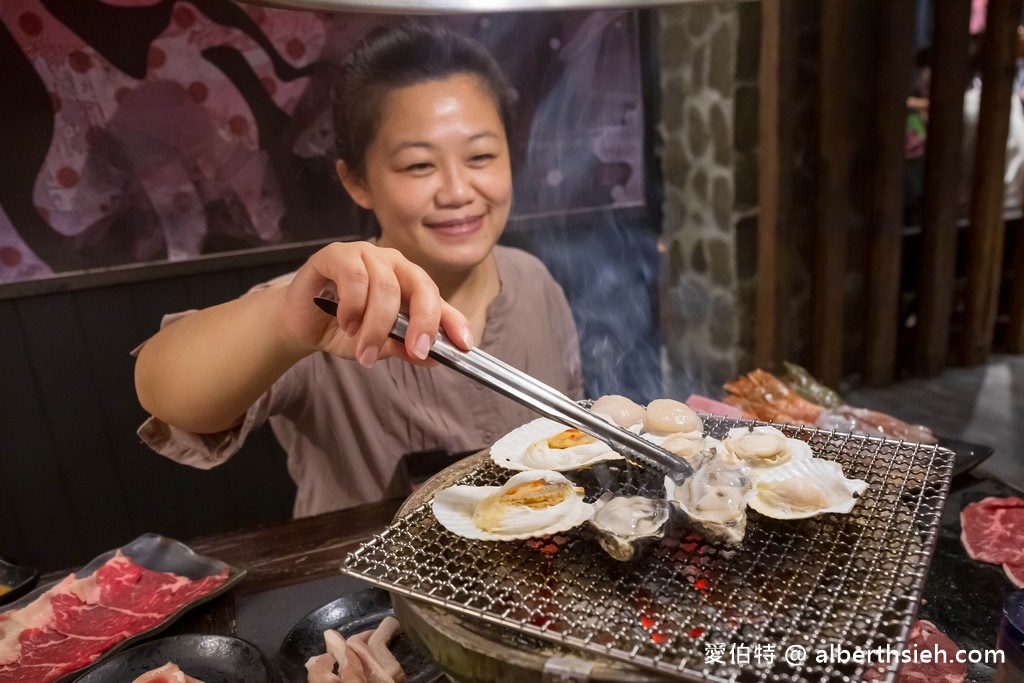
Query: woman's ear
point(355, 188)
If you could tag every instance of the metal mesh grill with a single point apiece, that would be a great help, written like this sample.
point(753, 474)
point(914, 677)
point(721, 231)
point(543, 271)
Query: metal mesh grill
point(693, 609)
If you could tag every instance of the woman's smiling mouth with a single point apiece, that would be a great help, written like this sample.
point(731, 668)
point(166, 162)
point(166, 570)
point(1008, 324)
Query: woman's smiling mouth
point(457, 226)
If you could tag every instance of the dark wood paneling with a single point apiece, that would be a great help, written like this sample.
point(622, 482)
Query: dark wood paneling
point(885, 253)
point(835, 196)
point(1015, 305)
point(56, 342)
point(75, 479)
point(36, 485)
point(987, 228)
point(771, 176)
point(949, 65)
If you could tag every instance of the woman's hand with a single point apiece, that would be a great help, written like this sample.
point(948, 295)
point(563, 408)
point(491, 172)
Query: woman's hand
point(373, 284)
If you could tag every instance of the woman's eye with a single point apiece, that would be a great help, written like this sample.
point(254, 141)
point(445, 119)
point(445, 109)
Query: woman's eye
point(421, 167)
point(481, 158)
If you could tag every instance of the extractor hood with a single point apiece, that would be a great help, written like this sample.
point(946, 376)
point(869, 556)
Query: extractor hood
point(453, 6)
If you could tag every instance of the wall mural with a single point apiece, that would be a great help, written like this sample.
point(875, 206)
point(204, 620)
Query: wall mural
point(141, 131)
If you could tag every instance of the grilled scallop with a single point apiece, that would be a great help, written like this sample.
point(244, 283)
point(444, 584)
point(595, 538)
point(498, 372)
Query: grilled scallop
point(666, 416)
point(805, 488)
point(620, 410)
point(531, 503)
point(544, 444)
point(763, 446)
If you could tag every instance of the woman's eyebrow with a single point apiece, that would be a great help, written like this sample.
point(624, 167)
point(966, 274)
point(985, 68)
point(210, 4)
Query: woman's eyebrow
point(423, 144)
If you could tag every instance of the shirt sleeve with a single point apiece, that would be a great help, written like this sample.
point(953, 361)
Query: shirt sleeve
point(205, 451)
point(202, 450)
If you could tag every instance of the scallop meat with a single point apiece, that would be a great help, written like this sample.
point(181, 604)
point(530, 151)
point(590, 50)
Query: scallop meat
point(531, 503)
point(763, 446)
point(668, 416)
point(544, 444)
point(805, 488)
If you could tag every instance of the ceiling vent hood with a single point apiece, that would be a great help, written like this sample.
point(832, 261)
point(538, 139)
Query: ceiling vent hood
point(454, 6)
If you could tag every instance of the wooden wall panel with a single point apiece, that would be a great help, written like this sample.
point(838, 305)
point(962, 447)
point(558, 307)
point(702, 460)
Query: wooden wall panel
point(987, 228)
point(112, 330)
point(35, 484)
point(885, 253)
point(75, 479)
point(942, 172)
point(65, 375)
point(834, 197)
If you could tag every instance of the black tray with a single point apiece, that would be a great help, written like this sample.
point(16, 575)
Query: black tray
point(158, 553)
point(968, 454)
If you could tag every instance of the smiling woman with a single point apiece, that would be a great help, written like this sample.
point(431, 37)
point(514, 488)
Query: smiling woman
point(420, 115)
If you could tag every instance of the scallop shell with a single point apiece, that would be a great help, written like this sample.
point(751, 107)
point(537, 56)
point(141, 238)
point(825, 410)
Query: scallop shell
point(525, 448)
point(763, 447)
point(809, 479)
point(454, 508)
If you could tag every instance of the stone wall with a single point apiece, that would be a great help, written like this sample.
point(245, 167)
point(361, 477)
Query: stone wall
point(700, 90)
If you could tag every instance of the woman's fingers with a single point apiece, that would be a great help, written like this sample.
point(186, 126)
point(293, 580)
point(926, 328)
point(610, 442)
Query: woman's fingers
point(456, 327)
point(383, 302)
point(345, 265)
point(424, 311)
point(373, 285)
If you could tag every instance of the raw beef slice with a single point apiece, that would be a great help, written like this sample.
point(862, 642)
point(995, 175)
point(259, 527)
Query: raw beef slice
point(993, 529)
point(77, 620)
point(926, 637)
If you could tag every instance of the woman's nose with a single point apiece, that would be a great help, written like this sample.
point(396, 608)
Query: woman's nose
point(456, 189)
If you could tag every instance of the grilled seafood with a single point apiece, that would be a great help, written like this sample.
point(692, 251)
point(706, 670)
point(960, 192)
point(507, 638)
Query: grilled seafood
point(624, 525)
point(766, 397)
point(531, 503)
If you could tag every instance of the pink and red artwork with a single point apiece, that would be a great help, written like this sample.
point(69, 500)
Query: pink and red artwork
point(141, 131)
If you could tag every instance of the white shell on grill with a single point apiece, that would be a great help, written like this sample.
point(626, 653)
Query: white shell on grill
point(804, 488)
point(714, 498)
point(461, 509)
point(763, 447)
point(526, 448)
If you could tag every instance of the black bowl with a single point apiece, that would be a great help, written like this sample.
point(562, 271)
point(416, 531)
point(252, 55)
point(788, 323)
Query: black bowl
point(349, 614)
point(210, 658)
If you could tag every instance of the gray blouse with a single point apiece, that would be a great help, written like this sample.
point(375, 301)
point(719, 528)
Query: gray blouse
point(345, 427)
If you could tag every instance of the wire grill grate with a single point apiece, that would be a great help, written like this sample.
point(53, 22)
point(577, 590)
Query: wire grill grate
point(692, 609)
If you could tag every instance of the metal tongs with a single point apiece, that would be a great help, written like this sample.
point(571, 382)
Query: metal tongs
point(534, 394)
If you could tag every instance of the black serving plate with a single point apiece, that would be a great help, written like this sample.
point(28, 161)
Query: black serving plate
point(157, 553)
point(211, 659)
point(19, 579)
point(349, 615)
point(968, 454)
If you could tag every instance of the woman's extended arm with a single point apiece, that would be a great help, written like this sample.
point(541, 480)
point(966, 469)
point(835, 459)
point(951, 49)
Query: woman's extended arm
point(202, 372)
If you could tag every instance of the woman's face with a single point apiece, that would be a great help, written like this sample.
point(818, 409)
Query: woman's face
point(438, 175)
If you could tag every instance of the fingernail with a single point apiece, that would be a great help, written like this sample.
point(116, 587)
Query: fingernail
point(467, 337)
point(368, 356)
point(422, 346)
point(352, 328)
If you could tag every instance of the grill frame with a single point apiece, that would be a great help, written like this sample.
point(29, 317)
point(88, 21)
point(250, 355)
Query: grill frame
point(782, 586)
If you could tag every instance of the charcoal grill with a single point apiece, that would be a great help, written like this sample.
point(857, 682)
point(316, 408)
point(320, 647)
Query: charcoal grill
point(688, 608)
